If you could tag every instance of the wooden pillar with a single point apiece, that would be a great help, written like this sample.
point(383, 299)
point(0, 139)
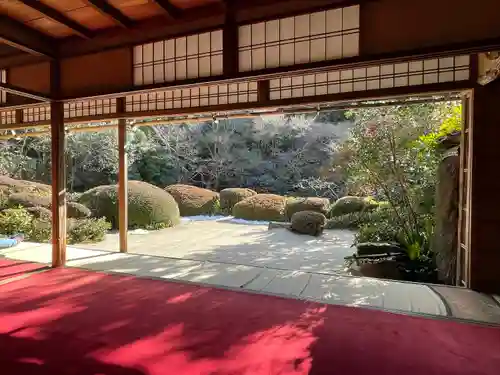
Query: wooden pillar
point(230, 54)
point(485, 185)
point(122, 179)
point(58, 170)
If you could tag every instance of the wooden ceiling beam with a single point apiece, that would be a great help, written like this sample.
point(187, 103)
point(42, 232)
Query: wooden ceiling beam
point(14, 90)
point(59, 17)
point(169, 8)
point(110, 11)
point(26, 39)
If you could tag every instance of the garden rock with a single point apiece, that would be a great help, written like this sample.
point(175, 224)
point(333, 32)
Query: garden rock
point(148, 205)
point(265, 207)
point(40, 213)
point(194, 201)
point(277, 225)
point(77, 211)
point(297, 204)
point(229, 197)
point(378, 248)
point(308, 222)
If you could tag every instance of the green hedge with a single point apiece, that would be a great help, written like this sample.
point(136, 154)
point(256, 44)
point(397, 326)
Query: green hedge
point(297, 204)
point(265, 207)
point(148, 205)
point(194, 201)
point(230, 196)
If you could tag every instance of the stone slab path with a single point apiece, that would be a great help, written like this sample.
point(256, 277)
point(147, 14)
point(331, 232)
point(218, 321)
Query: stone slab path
point(253, 259)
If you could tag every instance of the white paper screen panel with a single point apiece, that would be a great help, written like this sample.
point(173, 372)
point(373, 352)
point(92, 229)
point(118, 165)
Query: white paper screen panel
point(192, 97)
point(36, 114)
point(178, 59)
point(320, 36)
point(89, 108)
point(3, 79)
point(7, 117)
point(404, 74)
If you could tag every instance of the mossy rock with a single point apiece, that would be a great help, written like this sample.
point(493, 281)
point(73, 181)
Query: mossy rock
point(262, 207)
point(229, 197)
point(193, 200)
point(308, 222)
point(148, 205)
point(77, 211)
point(351, 204)
point(40, 213)
point(27, 200)
point(297, 204)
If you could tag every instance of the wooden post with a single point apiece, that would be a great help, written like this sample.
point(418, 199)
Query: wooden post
point(122, 179)
point(230, 54)
point(58, 170)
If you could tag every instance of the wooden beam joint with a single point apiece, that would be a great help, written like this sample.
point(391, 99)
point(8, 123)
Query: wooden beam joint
point(110, 11)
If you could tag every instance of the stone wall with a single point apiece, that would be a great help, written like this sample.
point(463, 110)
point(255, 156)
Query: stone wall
point(445, 241)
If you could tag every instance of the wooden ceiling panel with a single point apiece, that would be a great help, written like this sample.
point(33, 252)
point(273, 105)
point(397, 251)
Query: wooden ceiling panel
point(19, 11)
point(188, 4)
point(65, 6)
point(90, 18)
point(137, 9)
point(50, 27)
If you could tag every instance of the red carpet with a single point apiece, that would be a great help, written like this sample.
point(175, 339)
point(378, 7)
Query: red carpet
point(14, 268)
point(75, 322)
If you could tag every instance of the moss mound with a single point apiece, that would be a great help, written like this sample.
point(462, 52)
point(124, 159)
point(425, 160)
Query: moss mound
point(193, 200)
point(297, 204)
point(148, 205)
point(266, 207)
point(350, 204)
point(26, 200)
point(77, 211)
point(229, 197)
point(308, 222)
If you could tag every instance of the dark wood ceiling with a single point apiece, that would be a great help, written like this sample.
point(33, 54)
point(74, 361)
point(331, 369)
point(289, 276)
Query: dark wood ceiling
point(62, 28)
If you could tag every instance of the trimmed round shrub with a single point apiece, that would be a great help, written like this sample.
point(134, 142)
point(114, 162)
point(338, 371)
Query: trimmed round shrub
point(29, 200)
point(88, 230)
point(350, 204)
point(193, 200)
point(40, 213)
point(297, 204)
point(308, 222)
point(77, 210)
point(265, 207)
point(148, 205)
point(229, 197)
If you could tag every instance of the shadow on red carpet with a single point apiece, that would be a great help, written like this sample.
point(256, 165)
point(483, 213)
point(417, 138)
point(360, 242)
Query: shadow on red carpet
point(70, 321)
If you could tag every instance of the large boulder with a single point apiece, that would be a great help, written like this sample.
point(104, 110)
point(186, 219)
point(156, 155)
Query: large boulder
point(308, 222)
point(148, 205)
point(229, 197)
point(26, 200)
point(265, 207)
point(298, 204)
point(193, 200)
point(351, 204)
point(11, 185)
